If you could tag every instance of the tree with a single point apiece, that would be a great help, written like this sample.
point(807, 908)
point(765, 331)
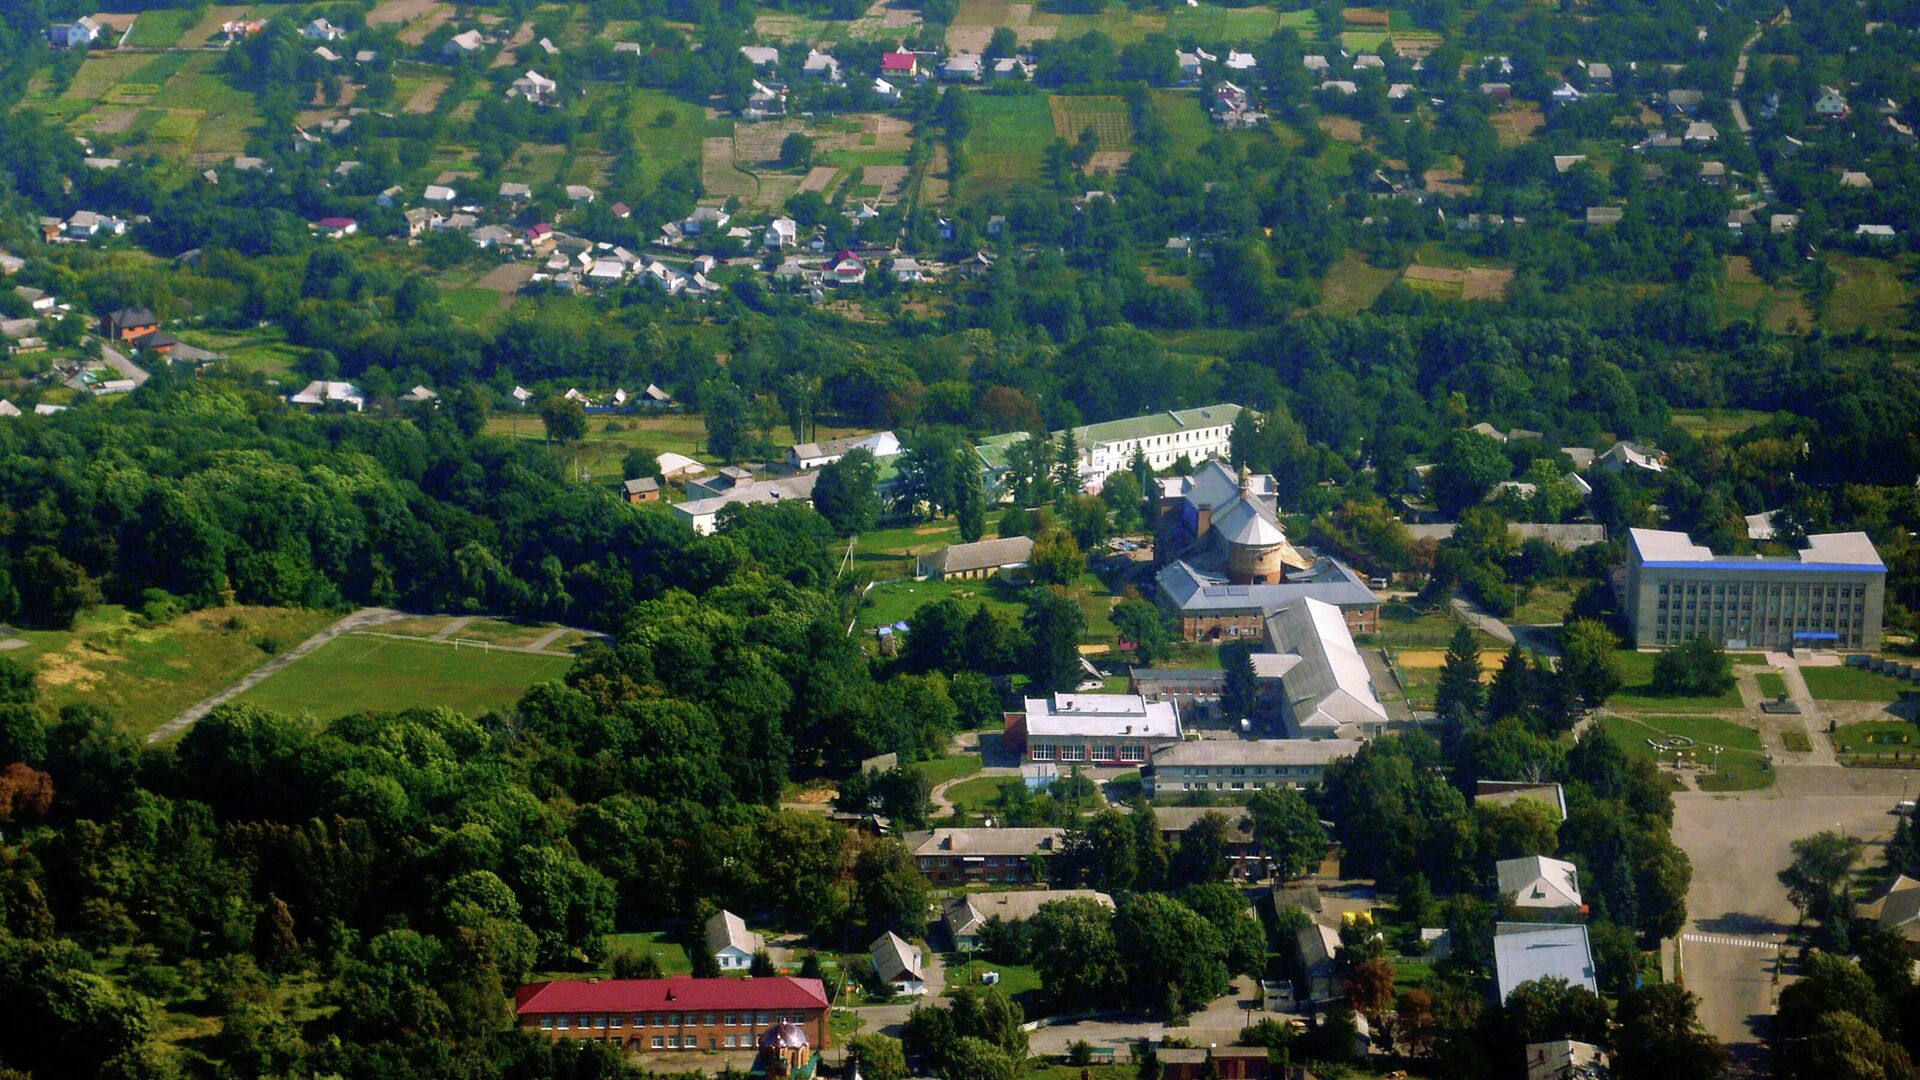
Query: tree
point(1844, 1047)
point(845, 493)
point(565, 418)
point(796, 151)
point(1370, 987)
point(1818, 877)
point(1174, 960)
point(1288, 830)
point(16, 683)
point(1057, 559)
point(1205, 849)
point(640, 462)
point(726, 415)
point(1459, 692)
point(1696, 668)
point(53, 588)
point(1468, 466)
point(1658, 1033)
point(893, 894)
point(1512, 687)
point(1099, 855)
point(978, 1059)
point(1054, 625)
point(1142, 622)
point(1241, 689)
point(1080, 967)
point(970, 506)
point(1149, 846)
point(1589, 656)
point(880, 1057)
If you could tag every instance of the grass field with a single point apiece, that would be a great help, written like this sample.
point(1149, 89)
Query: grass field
point(1879, 740)
point(1772, 685)
point(1742, 766)
point(1637, 696)
point(144, 676)
point(1008, 141)
point(671, 954)
point(950, 768)
point(1363, 41)
point(610, 437)
point(1352, 285)
point(1867, 295)
point(1218, 24)
point(1404, 628)
point(1853, 684)
point(363, 673)
point(1105, 114)
point(1018, 981)
point(895, 601)
point(1780, 307)
point(1718, 422)
point(662, 145)
point(1545, 604)
point(973, 795)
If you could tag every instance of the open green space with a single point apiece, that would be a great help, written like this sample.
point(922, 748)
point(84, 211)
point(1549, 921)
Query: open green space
point(160, 29)
point(895, 601)
point(1879, 740)
point(1771, 684)
point(1638, 695)
point(1868, 294)
point(1208, 23)
point(941, 770)
point(1018, 981)
point(145, 675)
point(364, 673)
point(974, 795)
point(1545, 604)
point(1853, 684)
point(1741, 762)
point(1008, 141)
point(662, 144)
point(1402, 626)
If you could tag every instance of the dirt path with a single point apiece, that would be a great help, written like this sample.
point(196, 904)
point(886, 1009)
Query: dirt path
point(363, 618)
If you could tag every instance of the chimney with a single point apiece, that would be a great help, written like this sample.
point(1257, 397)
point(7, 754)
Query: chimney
point(1246, 481)
point(1203, 520)
point(946, 842)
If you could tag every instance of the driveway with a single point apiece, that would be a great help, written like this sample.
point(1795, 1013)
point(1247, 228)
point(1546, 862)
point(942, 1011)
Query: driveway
point(1737, 909)
point(1219, 1022)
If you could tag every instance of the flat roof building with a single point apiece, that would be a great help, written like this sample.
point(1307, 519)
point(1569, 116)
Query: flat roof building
point(1241, 764)
point(1092, 729)
point(1828, 595)
point(1523, 952)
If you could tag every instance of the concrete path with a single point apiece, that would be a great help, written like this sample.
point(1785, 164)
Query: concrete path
point(942, 806)
point(453, 627)
point(363, 618)
point(546, 639)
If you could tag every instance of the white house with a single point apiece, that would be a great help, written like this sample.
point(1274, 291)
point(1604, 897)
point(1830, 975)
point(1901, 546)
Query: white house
point(319, 394)
point(760, 55)
point(462, 44)
point(535, 87)
point(782, 232)
point(897, 963)
point(439, 193)
point(322, 30)
point(1239, 61)
point(78, 34)
point(820, 65)
point(1539, 884)
point(730, 942)
point(814, 455)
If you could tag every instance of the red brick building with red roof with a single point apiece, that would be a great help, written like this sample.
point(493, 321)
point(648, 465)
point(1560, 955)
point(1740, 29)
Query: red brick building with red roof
point(680, 1013)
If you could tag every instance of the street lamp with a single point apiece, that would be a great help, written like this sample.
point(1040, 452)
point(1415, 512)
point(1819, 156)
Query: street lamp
point(1716, 759)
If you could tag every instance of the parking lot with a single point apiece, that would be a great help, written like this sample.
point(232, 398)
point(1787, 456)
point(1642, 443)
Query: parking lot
point(1737, 908)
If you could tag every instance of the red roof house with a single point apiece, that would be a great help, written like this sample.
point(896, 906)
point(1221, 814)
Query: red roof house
point(680, 1013)
point(899, 63)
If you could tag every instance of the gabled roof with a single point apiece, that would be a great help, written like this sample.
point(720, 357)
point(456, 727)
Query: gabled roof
point(727, 930)
point(682, 992)
point(1523, 952)
point(979, 555)
point(1329, 687)
point(1539, 883)
point(895, 959)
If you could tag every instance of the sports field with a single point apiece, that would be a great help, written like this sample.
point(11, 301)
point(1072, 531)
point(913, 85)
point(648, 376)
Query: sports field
point(365, 672)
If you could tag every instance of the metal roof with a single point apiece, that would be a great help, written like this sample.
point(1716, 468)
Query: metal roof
point(1852, 551)
point(1523, 952)
point(1193, 592)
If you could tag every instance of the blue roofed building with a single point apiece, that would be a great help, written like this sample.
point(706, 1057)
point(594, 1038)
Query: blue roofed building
point(1829, 594)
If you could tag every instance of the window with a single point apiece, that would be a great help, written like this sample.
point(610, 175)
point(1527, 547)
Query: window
point(1073, 752)
point(706, 1020)
point(586, 1022)
point(730, 1041)
point(1107, 753)
point(730, 1022)
point(765, 1019)
point(546, 1023)
point(657, 1042)
point(600, 1022)
point(564, 1022)
point(1042, 751)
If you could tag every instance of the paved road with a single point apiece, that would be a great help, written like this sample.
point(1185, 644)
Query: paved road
point(358, 620)
point(1739, 842)
point(122, 366)
point(1542, 640)
point(1739, 79)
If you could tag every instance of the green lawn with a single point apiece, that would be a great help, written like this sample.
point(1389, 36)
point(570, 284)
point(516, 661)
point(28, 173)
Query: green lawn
point(1187, 125)
point(671, 954)
point(1868, 294)
point(362, 673)
point(1363, 41)
point(950, 768)
point(471, 306)
point(144, 676)
point(1009, 138)
point(662, 146)
point(610, 437)
point(1772, 685)
point(1853, 684)
point(1018, 981)
point(160, 29)
point(1637, 695)
point(1229, 25)
point(1741, 761)
point(1546, 604)
point(895, 601)
point(1879, 740)
point(974, 795)
point(1402, 627)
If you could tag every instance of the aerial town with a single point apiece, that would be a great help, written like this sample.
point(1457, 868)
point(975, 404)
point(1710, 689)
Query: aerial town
point(885, 539)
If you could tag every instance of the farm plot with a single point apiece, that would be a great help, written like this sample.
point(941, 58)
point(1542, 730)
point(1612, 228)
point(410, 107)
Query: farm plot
point(1107, 118)
point(1515, 126)
point(1472, 283)
point(1008, 142)
point(159, 29)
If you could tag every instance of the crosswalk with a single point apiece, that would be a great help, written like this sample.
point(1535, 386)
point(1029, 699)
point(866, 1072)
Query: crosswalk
point(1728, 939)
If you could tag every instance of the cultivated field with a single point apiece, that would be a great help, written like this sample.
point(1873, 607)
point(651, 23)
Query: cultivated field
point(1008, 142)
point(362, 672)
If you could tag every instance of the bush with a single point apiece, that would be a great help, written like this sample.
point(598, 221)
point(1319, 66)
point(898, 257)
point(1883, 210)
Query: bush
point(269, 645)
point(1698, 668)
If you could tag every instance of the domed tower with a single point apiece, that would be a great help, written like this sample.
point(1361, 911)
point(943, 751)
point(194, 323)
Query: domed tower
point(784, 1048)
point(1254, 550)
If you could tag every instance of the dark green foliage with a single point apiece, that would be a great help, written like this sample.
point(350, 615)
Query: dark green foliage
point(844, 494)
point(1697, 668)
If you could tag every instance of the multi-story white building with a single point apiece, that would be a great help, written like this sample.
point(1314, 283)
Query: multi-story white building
point(1830, 594)
point(1092, 729)
point(1108, 448)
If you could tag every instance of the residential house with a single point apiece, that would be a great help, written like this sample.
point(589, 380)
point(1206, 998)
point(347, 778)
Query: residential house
point(966, 915)
point(846, 268)
point(1625, 455)
point(705, 499)
point(1317, 64)
point(631, 48)
point(322, 30)
point(488, 237)
point(326, 55)
point(906, 269)
point(962, 67)
point(439, 193)
point(78, 34)
point(1683, 102)
point(1854, 178)
point(644, 489)
point(535, 87)
point(1600, 76)
point(1213, 1060)
point(512, 192)
point(897, 963)
point(1498, 91)
point(1604, 215)
point(899, 65)
point(465, 44)
point(1897, 911)
point(1701, 133)
point(322, 393)
point(1095, 729)
point(1239, 61)
point(782, 232)
point(1783, 223)
point(1537, 885)
point(101, 164)
point(420, 395)
point(1562, 163)
point(125, 324)
point(705, 219)
point(1567, 1059)
point(1006, 557)
point(335, 228)
point(972, 856)
point(1524, 952)
point(1316, 948)
point(761, 56)
point(1015, 67)
point(1189, 64)
point(1713, 173)
point(11, 264)
point(1831, 105)
point(1363, 62)
point(765, 101)
point(885, 90)
point(655, 398)
point(581, 194)
point(1875, 232)
point(37, 299)
point(391, 196)
point(814, 455)
point(420, 219)
point(820, 65)
point(8, 408)
point(730, 943)
point(1245, 857)
point(678, 1013)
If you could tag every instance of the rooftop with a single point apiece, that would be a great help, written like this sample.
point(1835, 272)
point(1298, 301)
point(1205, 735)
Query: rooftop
point(1823, 551)
point(1102, 714)
point(1330, 686)
point(1523, 952)
point(993, 450)
point(979, 555)
point(1256, 752)
point(1539, 883)
point(1193, 591)
point(965, 842)
point(682, 992)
